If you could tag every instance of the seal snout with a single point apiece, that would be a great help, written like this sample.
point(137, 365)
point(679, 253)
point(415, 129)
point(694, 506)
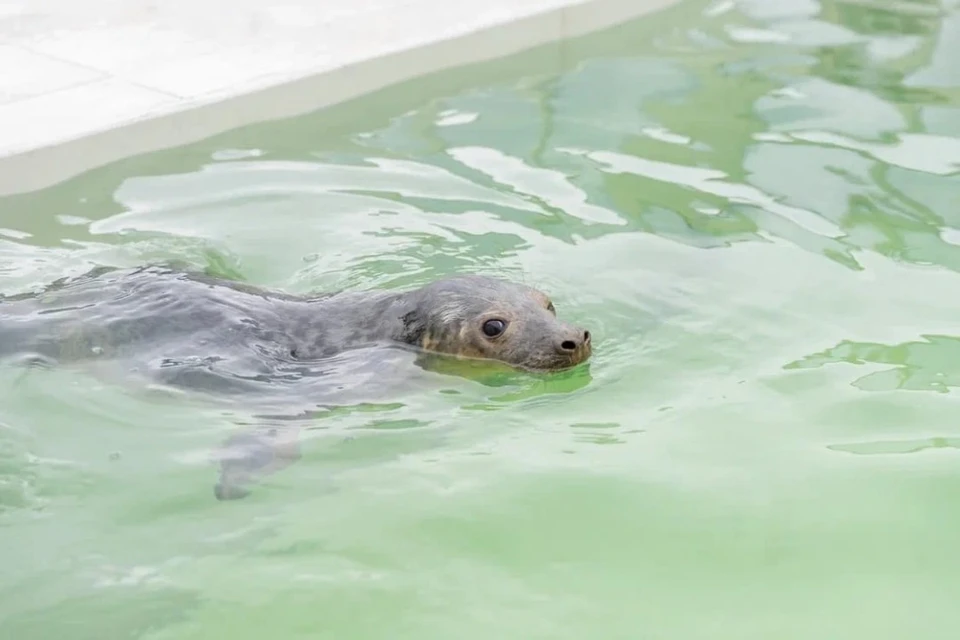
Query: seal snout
point(574, 344)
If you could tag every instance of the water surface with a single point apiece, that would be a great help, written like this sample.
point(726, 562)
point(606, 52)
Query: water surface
point(752, 205)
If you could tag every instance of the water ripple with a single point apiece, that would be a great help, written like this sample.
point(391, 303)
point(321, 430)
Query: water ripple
point(751, 204)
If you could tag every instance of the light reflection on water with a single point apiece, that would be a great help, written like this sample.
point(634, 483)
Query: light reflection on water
point(752, 205)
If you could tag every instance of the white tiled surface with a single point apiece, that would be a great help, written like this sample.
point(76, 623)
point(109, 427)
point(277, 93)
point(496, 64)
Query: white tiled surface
point(24, 74)
point(76, 74)
point(64, 113)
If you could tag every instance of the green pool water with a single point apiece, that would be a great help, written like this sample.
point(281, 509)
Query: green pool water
point(754, 207)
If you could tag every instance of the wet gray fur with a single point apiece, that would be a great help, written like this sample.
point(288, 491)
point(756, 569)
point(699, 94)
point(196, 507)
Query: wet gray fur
point(171, 321)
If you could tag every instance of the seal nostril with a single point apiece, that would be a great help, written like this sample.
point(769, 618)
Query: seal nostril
point(568, 345)
point(586, 336)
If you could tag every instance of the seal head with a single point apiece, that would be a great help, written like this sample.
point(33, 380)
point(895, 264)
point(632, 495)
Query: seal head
point(482, 317)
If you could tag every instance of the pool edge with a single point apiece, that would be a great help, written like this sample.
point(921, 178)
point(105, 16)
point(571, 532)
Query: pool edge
point(186, 122)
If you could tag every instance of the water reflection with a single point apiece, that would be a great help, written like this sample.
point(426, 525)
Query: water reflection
point(897, 447)
point(805, 122)
point(130, 612)
point(717, 190)
point(818, 124)
point(931, 364)
point(821, 124)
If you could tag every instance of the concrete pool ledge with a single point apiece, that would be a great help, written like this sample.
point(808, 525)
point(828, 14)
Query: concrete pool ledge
point(83, 84)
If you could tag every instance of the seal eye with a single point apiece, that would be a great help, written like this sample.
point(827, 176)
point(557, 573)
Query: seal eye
point(493, 328)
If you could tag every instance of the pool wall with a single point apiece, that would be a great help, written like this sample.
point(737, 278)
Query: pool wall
point(83, 85)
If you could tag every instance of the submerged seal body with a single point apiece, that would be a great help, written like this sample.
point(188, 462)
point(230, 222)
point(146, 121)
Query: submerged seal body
point(195, 331)
point(175, 317)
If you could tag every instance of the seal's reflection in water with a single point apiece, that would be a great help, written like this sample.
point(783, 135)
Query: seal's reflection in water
point(370, 380)
point(267, 349)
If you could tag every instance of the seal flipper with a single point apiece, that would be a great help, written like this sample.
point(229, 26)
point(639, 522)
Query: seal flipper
point(252, 455)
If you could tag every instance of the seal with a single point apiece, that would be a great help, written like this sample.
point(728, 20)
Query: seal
point(200, 332)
